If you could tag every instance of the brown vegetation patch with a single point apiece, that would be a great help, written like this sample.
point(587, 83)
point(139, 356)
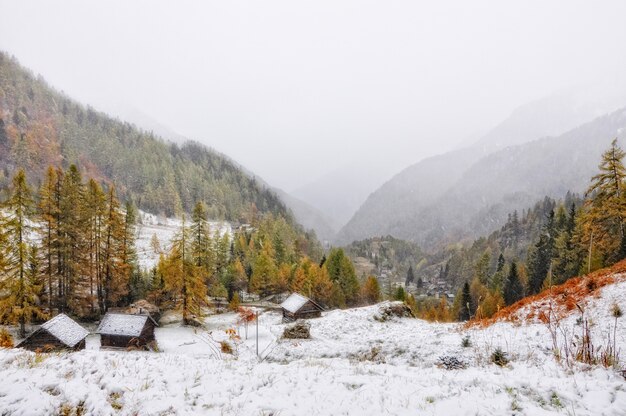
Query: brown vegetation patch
point(563, 298)
point(299, 330)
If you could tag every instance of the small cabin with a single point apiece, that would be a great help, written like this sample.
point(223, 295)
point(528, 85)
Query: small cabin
point(119, 330)
point(57, 334)
point(297, 306)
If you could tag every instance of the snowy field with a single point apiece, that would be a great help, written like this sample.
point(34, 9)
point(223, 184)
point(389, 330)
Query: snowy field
point(353, 365)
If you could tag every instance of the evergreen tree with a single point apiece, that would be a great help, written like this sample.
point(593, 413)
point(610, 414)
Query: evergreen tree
point(116, 273)
point(341, 271)
point(410, 276)
point(567, 252)
point(497, 280)
point(263, 272)
point(237, 278)
point(513, 289)
point(501, 263)
point(133, 275)
point(400, 294)
point(481, 269)
point(95, 211)
point(540, 258)
point(201, 245)
point(465, 312)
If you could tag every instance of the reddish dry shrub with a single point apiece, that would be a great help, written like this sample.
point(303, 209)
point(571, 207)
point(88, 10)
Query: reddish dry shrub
point(543, 317)
point(563, 298)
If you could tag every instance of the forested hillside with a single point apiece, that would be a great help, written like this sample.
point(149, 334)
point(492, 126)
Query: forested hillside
point(40, 127)
point(477, 196)
point(541, 247)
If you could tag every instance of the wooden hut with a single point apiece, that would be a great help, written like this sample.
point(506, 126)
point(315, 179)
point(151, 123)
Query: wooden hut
point(59, 333)
point(297, 306)
point(118, 330)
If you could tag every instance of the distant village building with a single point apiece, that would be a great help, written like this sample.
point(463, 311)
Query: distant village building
point(59, 333)
point(119, 330)
point(297, 306)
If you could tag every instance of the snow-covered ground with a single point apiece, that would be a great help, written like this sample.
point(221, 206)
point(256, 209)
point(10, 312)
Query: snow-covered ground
point(165, 229)
point(353, 365)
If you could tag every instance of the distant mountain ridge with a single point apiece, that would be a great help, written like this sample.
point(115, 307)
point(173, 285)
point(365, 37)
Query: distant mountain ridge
point(40, 126)
point(468, 192)
point(338, 194)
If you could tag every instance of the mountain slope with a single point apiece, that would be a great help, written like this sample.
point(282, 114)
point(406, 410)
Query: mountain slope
point(443, 195)
point(309, 217)
point(514, 177)
point(40, 126)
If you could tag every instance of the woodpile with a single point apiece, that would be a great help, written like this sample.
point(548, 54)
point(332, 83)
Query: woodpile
point(298, 330)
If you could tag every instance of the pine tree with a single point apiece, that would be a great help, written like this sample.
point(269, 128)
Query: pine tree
point(513, 289)
point(465, 312)
point(72, 241)
point(341, 271)
point(481, 269)
point(400, 294)
point(222, 252)
point(410, 277)
point(263, 272)
point(48, 214)
point(567, 252)
point(606, 207)
point(129, 254)
point(116, 270)
point(497, 279)
point(186, 287)
point(19, 287)
point(540, 258)
point(95, 211)
point(201, 245)
point(501, 263)
point(238, 280)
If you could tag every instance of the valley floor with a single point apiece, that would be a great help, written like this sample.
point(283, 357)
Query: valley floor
point(353, 365)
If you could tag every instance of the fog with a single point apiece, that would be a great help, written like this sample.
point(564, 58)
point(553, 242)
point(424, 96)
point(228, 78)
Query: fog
point(293, 90)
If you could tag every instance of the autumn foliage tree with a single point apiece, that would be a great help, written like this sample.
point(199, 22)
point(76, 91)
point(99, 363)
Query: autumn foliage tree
point(370, 291)
point(184, 284)
point(605, 208)
point(20, 277)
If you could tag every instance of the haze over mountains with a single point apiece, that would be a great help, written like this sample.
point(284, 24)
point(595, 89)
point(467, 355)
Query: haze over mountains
point(444, 196)
point(40, 127)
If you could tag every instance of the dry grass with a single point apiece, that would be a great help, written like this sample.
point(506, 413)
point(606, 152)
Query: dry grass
point(562, 298)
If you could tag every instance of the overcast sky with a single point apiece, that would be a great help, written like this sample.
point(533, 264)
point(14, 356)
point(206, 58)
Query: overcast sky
point(295, 89)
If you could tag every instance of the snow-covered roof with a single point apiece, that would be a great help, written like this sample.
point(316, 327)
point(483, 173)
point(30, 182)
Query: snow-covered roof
point(294, 302)
point(66, 330)
point(123, 324)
